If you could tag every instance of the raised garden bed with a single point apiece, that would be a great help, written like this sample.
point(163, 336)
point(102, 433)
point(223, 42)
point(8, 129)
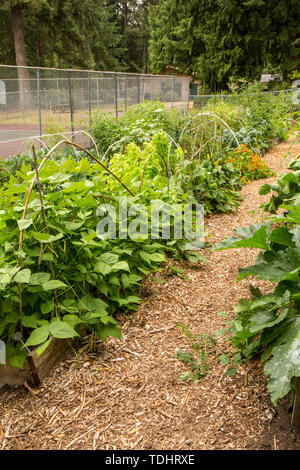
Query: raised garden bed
point(35, 368)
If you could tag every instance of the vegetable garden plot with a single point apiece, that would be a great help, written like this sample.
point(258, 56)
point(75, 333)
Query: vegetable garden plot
point(127, 394)
point(57, 233)
point(46, 278)
point(161, 168)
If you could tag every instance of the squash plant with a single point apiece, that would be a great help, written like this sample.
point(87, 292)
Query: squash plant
point(287, 187)
point(269, 324)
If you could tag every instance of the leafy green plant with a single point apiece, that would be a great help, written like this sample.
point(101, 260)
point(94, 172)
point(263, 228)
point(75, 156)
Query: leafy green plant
point(252, 138)
point(197, 358)
point(138, 125)
point(56, 275)
point(257, 118)
point(230, 359)
point(213, 182)
point(287, 187)
point(249, 165)
point(105, 130)
point(269, 324)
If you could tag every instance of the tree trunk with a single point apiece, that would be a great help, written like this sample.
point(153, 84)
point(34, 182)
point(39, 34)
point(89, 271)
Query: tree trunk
point(25, 98)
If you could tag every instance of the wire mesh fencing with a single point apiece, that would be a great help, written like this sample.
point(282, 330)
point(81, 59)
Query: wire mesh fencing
point(35, 101)
point(242, 99)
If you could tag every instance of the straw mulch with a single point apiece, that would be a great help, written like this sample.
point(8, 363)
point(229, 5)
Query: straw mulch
point(127, 394)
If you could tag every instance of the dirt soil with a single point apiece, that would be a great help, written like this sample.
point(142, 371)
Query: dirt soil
point(127, 395)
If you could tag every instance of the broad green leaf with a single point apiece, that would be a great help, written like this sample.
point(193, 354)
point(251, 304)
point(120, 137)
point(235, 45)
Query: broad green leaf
point(47, 307)
point(103, 331)
point(46, 237)
point(38, 336)
point(54, 284)
point(93, 305)
point(56, 178)
point(157, 257)
point(109, 258)
point(39, 278)
point(282, 236)
point(284, 264)
point(30, 321)
point(72, 320)
point(152, 257)
point(251, 237)
point(18, 359)
point(62, 330)
point(47, 257)
point(23, 277)
point(114, 280)
point(285, 363)
point(103, 268)
point(130, 279)
point(195, 257)
point(72, 226)
point(265, 189)
point(24, 223)
point(121, 266)
point(4, 280)
point(41, 349)
point(109, 319)
point(42, 237)
point(134, 299)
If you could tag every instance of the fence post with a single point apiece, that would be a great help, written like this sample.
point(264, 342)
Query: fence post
point(71, 104)
point(142, 89)
point(39, 103)
point(139, 89)
point(188, 95)
point(23, 112)
point(172, 92)
point(90, 104)
point(58, 98)
point(125, 93)
point(46, 94)
point(152, 88)
point(116, 95)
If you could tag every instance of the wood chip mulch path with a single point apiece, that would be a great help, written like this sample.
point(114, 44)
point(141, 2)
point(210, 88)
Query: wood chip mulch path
point(127, 395)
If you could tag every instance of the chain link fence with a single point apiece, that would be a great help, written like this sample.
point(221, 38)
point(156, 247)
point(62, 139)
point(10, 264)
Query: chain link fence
point(35, 101)
point(241, 99)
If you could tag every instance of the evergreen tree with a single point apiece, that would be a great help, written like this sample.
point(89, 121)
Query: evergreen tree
point(15, 10)
point(216, 39)
point(131, 18)
point(64, 33)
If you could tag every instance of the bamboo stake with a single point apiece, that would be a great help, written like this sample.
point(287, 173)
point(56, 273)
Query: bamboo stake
point(46, 228)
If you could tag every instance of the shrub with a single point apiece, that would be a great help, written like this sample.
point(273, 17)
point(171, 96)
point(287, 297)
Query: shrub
point(105, 130)
point(138, 125)
point(214, 183)
point(230, 113)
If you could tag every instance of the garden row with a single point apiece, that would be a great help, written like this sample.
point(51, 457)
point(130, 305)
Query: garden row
point(58, 276)
point(268, 325)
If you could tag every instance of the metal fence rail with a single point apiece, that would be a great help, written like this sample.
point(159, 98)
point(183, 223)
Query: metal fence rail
point(34, 101)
